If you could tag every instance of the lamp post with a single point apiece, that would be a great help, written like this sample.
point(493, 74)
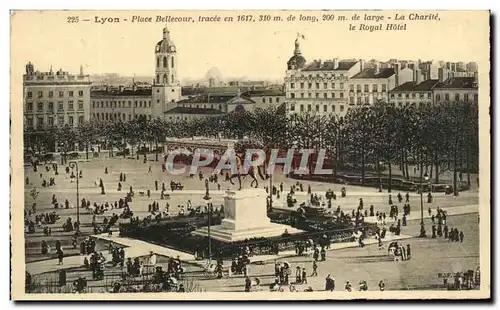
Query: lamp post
point(74, 164)
point(422, 177)
point(209, 207)
point(380, 176)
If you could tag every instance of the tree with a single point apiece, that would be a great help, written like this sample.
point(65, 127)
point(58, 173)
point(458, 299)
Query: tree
point(87, 134)
point(66, 136)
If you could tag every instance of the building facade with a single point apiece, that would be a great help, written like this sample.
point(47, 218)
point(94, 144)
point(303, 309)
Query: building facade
point(457, 89)
point(413, 94)
point(55, 98)
point(265, 98)
point(121, 105)
point(319, 87)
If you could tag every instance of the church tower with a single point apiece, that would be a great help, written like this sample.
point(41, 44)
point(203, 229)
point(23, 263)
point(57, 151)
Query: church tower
point(166, 90)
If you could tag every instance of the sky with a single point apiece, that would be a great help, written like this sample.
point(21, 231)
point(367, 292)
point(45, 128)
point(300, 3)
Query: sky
point(255, 50)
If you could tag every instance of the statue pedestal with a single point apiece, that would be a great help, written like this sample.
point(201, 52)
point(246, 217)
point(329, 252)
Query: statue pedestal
point(245, 217)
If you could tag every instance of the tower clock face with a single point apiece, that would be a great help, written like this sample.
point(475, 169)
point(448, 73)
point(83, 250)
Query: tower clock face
point(172, 49)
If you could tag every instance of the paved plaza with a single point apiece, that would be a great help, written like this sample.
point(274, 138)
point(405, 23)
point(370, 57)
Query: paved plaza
point(345, 263)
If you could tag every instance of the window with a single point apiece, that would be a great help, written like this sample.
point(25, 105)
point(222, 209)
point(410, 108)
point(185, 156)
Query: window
point(341, 108)
point(309, 85)
point(292, 107)
point(51, 94)
point(40, 94)
point(367, 100)
point(309, 95)
point(457, 97)
point(302, 85)
point(333, 95)
point(447, 97)
point(129, 103)
point(301, 108)
point(400, 95)
point(466, 97)
point(135, 102)
point(40, 106)
point(263, 99)
point(70, 120)
point(392, 95)
point(317, 108)
point(172, 62)
point(61, 94)
point(367, 88)
point(164, 62)
point(333, 85)
point(29, 106)
point(51, 107)
point(333, 108)
point(317, 95)
point(341, 95)
point(129, 117)
point(102, 104)
point(60, 106)
point(30, 95)
point(51, 121)
point(70, 105)
point(325, 95)
point(325, 108)
point(80, 93)
point(317, 86)
point(438, 97)
point(384, 88)
point(301, 95)
point(292, 95)
point(413, 95)
point(358, 101)
point(341, 85)
point(220, 107)
point(475, 98)
point(309, 108)
point(325, 85)
point(39, 122)
point(375, 88)
point(428, 95)
point(29, 122)
point(277, 99)
point(80, 105)
point(149, 103)
point(421, 95)
point(70, 93)
point(80, 119)
point(351, 100)
point(407, 95)
point(270, 100)
point(292, 85)
point(358, 88)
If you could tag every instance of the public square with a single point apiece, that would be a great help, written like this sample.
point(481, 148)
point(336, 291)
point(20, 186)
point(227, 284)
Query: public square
point(348, 262)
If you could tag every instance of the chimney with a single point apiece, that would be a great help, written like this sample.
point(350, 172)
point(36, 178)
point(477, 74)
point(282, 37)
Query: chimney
point(441, 75)
point(377, 68)
point(396, 72)
point(418, 76)
point(361, 64)
point(335, 62)
point(120, 88)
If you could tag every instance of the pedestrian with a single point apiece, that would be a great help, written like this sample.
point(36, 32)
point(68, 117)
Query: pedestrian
point(461, 236)
point(60, 256)
point(156, 185)
point(381, 286)
point(315, 269)
point(407, 197)
point(323, 254)
point(348, 287)
point(149, 170)
point(304, 276)
point(298, 278)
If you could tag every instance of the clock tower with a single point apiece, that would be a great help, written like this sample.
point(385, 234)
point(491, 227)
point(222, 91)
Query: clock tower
point(166, 90)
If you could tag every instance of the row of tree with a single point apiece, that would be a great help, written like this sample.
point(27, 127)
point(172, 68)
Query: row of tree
point(437, 137)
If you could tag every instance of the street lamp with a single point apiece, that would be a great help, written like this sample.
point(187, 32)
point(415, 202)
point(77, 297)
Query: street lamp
point(74, 164)
point(209, 207)
point(380, 176)
point(422, 177)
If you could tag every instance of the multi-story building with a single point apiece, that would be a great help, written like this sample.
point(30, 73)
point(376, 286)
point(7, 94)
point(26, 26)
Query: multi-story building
point(265, 98)
point(55, 98)
point(413, 94)
point(121, 105)
point(372, 85)
point(457, 89)
point(319, 87)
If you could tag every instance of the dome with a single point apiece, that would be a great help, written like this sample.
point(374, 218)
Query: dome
point(165, 45)
point(213, 72)
point(296, 62)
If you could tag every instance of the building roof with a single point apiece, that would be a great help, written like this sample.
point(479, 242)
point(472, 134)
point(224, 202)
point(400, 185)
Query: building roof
point(189, 110)
point(209, 98)
point(426, 85)
point(370, 73)
point(240, 100)
point(142, 92)
point(329, 66)
point(263, 92)
point(193, 91)
point(458, 82)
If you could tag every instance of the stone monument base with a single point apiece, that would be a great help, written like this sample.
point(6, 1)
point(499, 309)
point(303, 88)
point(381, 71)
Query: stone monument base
point(221, 233)
point(245, 217)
